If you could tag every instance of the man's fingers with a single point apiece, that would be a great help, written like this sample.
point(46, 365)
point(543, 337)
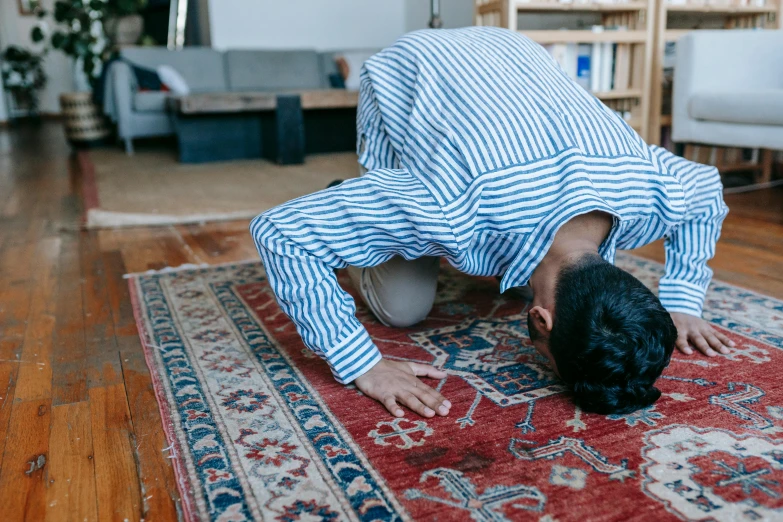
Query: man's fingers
point(425, 370)
point(725, 340)
point(699, 342)
point(412, 402)
point(432, 399)
point(714, 342)
point(682, 345)
point(392, 406)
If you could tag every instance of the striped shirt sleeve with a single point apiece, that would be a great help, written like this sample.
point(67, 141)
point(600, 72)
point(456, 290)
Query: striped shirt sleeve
point(374, 146)
point(362, 222)
point(691, 244)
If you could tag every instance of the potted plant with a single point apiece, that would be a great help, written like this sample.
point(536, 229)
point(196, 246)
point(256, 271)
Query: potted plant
point(83, 31)
point(23, 76)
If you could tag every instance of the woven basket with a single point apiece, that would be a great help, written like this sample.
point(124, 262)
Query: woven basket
point(82, 118)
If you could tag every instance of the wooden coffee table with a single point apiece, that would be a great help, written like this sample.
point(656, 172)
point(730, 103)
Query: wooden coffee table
point(280, 126)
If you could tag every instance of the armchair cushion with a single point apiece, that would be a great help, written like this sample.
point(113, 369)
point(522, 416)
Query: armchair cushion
point(150, 101)
point(753, 107)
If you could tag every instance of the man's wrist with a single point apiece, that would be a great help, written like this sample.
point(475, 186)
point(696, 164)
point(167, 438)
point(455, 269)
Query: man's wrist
point(354, 356)
point(681, 297)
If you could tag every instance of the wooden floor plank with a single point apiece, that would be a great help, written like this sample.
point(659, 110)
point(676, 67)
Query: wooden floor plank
point(15, 292)
point(23, 475)
point(71, 494)
point(160, 497)
point(69, 374)
point(35, 370)
point(116, 477)
point(103, 367)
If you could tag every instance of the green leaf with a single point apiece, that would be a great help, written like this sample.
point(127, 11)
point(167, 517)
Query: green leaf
point(89, 66)
point(37, 34)
point(62, 11)
point(58, 40)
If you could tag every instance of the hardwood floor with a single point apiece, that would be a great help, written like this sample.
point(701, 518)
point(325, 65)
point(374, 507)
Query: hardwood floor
point(80, 434)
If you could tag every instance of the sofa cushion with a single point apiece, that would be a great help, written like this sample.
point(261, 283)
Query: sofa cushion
point(150, 101)
point(249, 70)
point(757, 107)
point(202, 68)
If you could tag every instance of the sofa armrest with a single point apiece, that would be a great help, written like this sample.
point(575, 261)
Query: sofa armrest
point(124, 87)
point(722, 60)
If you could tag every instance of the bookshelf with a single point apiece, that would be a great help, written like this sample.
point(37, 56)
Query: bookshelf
point(673, 19)
point(624, 33)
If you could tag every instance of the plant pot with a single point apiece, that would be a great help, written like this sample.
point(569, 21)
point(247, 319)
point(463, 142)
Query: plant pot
point(83, 120)
point(124, 30)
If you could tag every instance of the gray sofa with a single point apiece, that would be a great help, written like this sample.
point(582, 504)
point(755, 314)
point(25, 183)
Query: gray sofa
point(728, 89)
point(141, 114)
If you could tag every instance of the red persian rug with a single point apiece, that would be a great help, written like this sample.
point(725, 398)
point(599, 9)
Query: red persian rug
point(260, 430)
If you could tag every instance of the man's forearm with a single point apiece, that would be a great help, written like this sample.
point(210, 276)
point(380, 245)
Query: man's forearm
point(308, 292)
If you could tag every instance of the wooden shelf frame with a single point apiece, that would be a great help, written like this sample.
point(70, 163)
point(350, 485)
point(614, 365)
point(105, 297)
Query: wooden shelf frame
point(549, 37)
point(769, 16)
point(640, 17)
point(721, 9)
point(617, 7)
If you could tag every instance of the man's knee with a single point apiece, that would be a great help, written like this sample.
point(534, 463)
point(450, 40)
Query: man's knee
point(401, 293)
point(405, 314)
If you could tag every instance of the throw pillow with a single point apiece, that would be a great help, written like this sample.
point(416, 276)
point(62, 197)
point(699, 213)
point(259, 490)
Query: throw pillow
point(350, 65)
point(172, 79)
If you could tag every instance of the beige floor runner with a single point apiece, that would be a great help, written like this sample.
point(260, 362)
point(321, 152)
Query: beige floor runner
point(152, 188)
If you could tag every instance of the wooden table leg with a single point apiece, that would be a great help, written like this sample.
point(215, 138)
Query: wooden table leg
point(290, 130)
point(767, 156)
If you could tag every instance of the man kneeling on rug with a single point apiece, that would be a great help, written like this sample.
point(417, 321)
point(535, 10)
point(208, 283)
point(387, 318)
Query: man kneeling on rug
point(481, 150)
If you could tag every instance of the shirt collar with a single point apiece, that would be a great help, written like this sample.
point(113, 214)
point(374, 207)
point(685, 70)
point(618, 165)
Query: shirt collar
point(540, 241)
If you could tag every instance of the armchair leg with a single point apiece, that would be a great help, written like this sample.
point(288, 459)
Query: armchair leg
point(129, 146)
point(767, 156)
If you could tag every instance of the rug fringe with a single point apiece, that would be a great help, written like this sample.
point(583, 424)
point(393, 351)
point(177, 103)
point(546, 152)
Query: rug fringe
point(188, 266)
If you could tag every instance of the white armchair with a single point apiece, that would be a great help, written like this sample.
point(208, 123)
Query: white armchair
point(728, 90)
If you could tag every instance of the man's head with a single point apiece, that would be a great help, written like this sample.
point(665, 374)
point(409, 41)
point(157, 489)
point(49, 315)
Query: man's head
point(608, 337)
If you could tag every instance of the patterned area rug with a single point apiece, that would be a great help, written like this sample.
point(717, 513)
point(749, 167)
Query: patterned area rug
point(260, 430)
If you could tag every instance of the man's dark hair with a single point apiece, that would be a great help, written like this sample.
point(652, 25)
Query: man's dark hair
point(611, 337)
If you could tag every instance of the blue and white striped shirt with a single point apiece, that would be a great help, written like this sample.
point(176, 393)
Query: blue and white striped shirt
point(479, 147)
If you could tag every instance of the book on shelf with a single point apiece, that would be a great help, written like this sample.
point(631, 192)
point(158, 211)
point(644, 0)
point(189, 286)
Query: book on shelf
point(583, 65)
point(622, 67)
point(597, 67)
point(596, 62)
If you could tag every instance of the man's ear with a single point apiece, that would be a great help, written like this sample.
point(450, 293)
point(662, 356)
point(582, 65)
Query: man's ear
point(542, 318)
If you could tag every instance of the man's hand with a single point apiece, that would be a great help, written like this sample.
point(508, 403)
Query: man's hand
point(695, 331)
point(392, 381)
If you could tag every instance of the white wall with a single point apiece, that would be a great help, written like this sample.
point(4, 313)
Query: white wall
point(15, 30)
point(317, 24)
point(453, 13)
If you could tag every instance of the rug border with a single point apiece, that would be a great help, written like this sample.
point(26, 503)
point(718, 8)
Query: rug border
point(189, 510)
